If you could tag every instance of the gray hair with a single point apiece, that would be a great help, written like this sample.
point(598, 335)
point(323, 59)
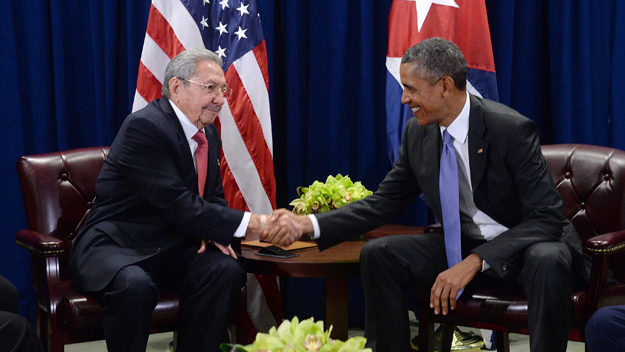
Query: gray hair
point(184, 66)
point(437, 58)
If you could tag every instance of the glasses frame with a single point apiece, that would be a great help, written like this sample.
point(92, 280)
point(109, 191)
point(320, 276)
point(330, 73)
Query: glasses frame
point(226, 92)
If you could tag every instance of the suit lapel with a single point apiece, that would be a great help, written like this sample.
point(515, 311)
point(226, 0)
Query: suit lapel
point(431, 161)
point(478, 147)
point(188, 173)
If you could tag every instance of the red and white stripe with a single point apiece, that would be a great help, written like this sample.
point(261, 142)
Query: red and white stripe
point(244, 122)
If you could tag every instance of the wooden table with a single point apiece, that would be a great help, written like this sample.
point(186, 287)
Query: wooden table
point(335, 265)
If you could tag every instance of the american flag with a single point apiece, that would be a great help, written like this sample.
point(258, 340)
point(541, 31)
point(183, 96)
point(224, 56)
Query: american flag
point(232, 29)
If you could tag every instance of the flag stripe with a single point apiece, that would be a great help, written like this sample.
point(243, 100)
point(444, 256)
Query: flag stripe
point(158, 58)
point(163, 34)
point(139, 102)
point(251, 130)
point(241, 164)
point(147, 85)
point(233, 193)
point(254, 83)
point(183, 24)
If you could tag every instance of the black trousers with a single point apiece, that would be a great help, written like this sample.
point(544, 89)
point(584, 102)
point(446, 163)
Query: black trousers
point(211, 283)
point(391, 265)
point(16, 333)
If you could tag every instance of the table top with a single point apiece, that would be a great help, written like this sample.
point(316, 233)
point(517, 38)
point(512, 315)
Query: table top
point(339, 261)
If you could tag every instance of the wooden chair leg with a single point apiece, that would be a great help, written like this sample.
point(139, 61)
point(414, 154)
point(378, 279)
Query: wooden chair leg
point(426, 334)
point(447, 337)
point(503, 341)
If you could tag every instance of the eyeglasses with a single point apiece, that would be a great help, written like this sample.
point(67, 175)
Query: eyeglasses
point(212, 89)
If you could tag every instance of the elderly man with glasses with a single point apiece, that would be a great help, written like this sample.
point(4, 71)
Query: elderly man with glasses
point(160, 220)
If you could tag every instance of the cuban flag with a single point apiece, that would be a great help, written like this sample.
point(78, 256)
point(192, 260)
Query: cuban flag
point(463, 22)
point(230, 28)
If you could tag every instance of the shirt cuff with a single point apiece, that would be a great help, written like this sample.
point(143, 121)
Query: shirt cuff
point(240, 232)
point(315, 225)
point(485, 265)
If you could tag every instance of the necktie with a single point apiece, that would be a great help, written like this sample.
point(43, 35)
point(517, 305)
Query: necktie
point(450, 203)
point(201, 158)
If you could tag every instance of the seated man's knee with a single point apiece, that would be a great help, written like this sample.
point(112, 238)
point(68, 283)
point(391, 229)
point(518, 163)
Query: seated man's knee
point(135, 283)
point(374, 248)
point(604, 319)
point(550, 254)
point(229, 270)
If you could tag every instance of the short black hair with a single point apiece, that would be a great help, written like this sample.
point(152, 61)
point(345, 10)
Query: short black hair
point(437, 58)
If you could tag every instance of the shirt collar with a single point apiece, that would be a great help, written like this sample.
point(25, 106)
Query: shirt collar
point(187, 126)
point(459, 128)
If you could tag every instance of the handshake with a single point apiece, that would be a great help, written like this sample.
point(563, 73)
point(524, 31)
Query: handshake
point(281, 227)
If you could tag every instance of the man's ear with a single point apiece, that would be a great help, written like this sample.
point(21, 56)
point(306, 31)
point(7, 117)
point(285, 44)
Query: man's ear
point(174, 86)
point(448, 85)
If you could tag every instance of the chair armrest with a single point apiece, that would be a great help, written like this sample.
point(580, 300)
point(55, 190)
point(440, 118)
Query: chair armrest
point(606, 244)
point(433, 228)
point(39, 244)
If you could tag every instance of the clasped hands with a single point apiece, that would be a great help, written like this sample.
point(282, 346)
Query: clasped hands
point(282, 227)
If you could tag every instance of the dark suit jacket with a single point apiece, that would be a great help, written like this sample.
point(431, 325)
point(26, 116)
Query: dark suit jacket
point(147, 198)
point(510, 182)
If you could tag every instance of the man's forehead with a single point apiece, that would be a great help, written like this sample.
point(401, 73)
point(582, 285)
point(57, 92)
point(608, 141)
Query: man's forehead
point(210, 71)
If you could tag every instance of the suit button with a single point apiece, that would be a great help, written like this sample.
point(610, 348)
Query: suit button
point(504, 268)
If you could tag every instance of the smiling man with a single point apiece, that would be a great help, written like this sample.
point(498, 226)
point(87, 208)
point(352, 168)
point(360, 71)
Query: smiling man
point(160, 220)
point(505, 228)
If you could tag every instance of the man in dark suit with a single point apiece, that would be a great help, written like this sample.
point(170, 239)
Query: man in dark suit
point(16, 333)
point(512, 230)
point(152, 227)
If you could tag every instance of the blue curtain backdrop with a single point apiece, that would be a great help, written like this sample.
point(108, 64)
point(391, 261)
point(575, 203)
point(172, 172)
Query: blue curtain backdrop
point(70, 68)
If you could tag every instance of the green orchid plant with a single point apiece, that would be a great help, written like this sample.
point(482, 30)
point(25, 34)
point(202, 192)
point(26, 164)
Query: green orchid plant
point(333, 194)
point(296, 336)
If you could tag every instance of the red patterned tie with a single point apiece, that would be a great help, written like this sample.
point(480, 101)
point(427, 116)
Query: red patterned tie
point(201, 157)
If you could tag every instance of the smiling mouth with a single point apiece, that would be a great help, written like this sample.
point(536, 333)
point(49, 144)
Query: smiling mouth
point(414, 110)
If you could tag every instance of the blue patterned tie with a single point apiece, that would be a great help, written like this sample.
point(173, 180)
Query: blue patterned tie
point(450, 203)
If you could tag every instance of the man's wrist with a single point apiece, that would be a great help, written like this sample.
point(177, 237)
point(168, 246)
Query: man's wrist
point(254, 226)
point(308, 232)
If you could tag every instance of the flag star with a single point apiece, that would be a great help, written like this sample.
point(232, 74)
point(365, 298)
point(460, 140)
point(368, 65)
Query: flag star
point(221, 52)
point(221, 28)
point(224, 4)
point(423, 8)
point(241, 33)
point(203, 22)
point(206, 2)
point(243, 9)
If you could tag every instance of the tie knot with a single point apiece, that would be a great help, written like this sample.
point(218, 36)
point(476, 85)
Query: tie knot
point(200, 137)
point(447, 138)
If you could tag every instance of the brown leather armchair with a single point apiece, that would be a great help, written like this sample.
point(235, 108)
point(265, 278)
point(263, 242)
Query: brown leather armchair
point(591, 180)
point(58, 190)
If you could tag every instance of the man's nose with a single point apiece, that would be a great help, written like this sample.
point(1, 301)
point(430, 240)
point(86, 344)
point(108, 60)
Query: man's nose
point(405, 99)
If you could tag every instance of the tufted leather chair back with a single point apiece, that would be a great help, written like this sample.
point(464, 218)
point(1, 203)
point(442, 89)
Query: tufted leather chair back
point(58, 190)
point(591, 181)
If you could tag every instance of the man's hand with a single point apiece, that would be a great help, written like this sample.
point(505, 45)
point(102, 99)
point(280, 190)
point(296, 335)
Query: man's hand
point(282, 228)
point(225, 250)
point(449, 282)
